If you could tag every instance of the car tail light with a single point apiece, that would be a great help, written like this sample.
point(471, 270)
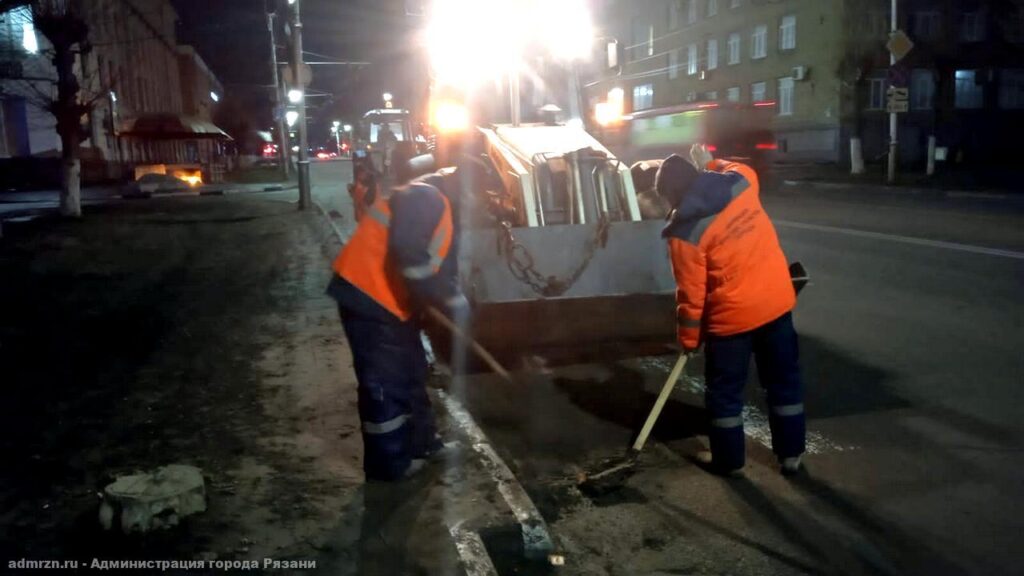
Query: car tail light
point(711, 148)
point(767, 146)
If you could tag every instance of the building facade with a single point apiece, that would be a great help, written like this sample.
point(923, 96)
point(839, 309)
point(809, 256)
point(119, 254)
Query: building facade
point(151, 99)
point(824, 67)
point(26, 82)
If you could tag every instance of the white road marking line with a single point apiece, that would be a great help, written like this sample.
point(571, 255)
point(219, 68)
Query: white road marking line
point(472, 551)
point(344, 238)
point(904, 239)
point(536, 538)
point(755, 422)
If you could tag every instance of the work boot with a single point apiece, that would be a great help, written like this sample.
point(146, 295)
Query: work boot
point(706, 461)
point(792, 465)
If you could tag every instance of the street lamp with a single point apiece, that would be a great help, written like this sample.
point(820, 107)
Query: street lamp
point(337, 135)
point(347, 128)
point(295, 95)
point(214, 97)
point(291, 116)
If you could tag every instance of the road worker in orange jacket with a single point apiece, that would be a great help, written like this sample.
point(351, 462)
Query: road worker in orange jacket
point(401, 259)
point(734, 295)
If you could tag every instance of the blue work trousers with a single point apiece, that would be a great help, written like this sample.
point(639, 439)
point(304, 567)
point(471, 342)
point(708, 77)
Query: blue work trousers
point(391, 368)
point(727, 359)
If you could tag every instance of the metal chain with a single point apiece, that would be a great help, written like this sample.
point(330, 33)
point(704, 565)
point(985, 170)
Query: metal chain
point(521, 263)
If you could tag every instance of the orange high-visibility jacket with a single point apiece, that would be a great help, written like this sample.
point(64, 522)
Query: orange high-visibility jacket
point(368, 261)
point(731, 274)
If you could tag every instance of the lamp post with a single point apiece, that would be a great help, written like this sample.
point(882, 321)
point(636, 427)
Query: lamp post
point(893, 119)
point(305, 196)
point(335, 129)
point(282, 136)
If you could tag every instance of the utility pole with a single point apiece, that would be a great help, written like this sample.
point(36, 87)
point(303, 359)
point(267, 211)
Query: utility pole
point(282, 134)
point(305, 198)
point(893, 122)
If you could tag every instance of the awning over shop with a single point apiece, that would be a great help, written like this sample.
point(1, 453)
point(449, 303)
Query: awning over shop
point(171, 127)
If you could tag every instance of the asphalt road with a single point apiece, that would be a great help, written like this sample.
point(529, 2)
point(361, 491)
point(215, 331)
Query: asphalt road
point(911, 339)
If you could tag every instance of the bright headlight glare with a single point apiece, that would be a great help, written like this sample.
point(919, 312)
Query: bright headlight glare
point(448, 117)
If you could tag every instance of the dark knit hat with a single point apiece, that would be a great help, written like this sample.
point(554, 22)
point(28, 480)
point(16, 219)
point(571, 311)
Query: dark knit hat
point(675, 176)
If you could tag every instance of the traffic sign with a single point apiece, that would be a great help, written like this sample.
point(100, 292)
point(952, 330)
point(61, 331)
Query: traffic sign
point(898, 100)
point(897, 106)
point(899, 44)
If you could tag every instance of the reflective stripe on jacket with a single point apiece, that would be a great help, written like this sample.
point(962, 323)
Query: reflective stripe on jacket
point(731, 274)
point(381, 266)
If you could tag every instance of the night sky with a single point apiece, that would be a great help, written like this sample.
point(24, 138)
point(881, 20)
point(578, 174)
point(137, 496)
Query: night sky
point(232, 37)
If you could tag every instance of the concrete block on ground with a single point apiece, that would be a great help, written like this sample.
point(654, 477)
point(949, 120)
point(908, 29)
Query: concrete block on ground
point(153, 500)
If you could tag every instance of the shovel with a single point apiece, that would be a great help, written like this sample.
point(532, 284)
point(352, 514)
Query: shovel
point(616, 471)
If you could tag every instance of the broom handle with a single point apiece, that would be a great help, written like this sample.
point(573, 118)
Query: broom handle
point(666, 390)
point(482, 352)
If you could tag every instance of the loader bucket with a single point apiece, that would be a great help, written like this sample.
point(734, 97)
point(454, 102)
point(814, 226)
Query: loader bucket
point(580, 298)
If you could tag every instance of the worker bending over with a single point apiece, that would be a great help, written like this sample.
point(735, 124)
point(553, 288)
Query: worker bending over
point(734, 294)
point(400, 260)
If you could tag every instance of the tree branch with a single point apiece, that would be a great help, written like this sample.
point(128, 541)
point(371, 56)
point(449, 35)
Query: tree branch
point(8, 5)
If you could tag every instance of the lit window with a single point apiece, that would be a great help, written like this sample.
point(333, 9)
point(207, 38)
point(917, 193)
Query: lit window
point(712, 54)
point(650, 40)
point(691, 59)
point(876, 96)
point(759, 42)
point(1011, 89)
point(969, 94)
point(973, 27)
point(691, 11)
point(733, 94)
point(758, 92)
point(785, 96)
point(922, 89)
point(28, 38)
point(711, 96)
point(734, 48)
point(712, 8)
point(787, 33)
point(673, 64)
point(643, 96)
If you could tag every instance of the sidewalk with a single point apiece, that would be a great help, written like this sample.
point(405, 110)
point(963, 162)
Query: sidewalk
point(34, 203)
point(197, 332)
point(980, 183)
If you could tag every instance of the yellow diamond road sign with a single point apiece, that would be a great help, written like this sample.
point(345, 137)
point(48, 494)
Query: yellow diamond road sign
point(899, 44)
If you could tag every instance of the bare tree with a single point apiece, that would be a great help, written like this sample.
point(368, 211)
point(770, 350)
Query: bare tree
point(63, 24)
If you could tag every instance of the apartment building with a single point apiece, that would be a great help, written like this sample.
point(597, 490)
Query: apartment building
point(26, 81)
point(152, 99)
point(823, 66)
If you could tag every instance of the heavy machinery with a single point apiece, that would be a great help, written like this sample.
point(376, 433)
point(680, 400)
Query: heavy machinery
point(559, 263)
point(371, 143)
